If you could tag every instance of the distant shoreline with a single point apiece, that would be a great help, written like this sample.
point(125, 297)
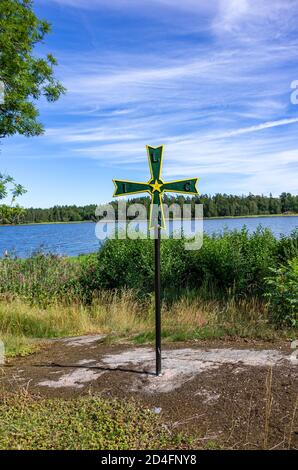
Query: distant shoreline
point(205, 218)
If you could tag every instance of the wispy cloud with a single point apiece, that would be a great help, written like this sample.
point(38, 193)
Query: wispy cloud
point(258, 127)
point(197, 6)
point(254, 20)
point(219, 100)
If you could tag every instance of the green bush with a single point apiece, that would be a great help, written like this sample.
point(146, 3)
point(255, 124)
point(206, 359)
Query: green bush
point(231, 263)
point(282, 294)
point(119, 264)
point(288, 247)
point(234, 263)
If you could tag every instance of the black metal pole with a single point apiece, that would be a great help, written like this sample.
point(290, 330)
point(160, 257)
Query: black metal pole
point(157, 302)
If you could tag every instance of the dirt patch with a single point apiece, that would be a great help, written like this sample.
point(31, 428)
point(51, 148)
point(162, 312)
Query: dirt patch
point(239, 397)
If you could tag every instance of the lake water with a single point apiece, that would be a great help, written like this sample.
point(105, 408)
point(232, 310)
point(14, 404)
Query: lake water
point(74, 239)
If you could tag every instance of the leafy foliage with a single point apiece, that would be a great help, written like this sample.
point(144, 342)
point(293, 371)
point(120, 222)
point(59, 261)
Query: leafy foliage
point(9, 186)
point(288, 247)
point(26, 77)
point(236, 262)
point(283, 293)
point(10, 214)
point(120, 264)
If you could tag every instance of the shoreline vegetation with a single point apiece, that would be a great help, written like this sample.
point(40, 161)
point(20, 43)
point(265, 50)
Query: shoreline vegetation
point(217, 206)
point(251, 216)
point(239, 284)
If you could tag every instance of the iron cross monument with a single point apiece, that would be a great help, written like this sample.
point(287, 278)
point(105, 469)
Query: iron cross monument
point(156, 187)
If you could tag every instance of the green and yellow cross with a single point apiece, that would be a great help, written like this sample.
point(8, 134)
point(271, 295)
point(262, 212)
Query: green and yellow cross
point(155, 187)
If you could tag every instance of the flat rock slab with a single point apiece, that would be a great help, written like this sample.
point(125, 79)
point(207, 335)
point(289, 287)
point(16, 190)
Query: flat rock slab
point(213, 387)
point(80, 362)
point(179, 366)
point(182, 365)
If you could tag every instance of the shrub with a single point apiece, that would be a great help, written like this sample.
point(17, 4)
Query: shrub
point(234, 262)
point(288, 246)
point(120, 264)
point(282, 294)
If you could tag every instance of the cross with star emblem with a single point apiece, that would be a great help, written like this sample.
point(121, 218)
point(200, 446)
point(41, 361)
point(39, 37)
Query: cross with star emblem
point(155, 187)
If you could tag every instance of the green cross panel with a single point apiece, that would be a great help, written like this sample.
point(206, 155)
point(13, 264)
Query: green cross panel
point(155, 187)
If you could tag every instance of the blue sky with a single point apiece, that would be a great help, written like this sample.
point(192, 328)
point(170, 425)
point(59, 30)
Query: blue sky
point(209, 79)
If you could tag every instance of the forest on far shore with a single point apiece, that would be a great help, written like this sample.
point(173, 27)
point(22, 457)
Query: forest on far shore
point(219, 205)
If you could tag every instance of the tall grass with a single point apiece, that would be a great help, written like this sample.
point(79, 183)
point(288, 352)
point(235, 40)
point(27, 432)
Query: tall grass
point(123, 315)
point(41, 279)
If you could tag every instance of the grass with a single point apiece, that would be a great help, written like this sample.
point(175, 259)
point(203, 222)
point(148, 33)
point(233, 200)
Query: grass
point(29, 422)
point(218, 291)
point(88, 423)
point(18, 345)
point(121, 315)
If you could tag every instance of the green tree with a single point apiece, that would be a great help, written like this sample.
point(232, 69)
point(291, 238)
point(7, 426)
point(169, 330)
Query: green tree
point(282, 293)
point(9, 186)
point(10, 214)
point(26, 77)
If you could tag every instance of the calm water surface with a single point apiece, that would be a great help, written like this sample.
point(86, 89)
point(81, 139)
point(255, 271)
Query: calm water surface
point(74, 239)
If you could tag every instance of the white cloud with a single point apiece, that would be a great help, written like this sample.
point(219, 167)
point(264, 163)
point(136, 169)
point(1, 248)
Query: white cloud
point(230, 13)
point(197, 6)
point(255, 20)
point(196, 106)
point(258, 127)
point(222, 108)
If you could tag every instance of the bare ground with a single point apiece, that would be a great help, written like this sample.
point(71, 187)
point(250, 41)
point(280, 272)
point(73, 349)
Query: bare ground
point(234, 394)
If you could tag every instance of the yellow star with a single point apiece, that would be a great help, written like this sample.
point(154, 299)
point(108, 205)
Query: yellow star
point(156, 186)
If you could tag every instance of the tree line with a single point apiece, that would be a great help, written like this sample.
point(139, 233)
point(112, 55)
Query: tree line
point(219, 205)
